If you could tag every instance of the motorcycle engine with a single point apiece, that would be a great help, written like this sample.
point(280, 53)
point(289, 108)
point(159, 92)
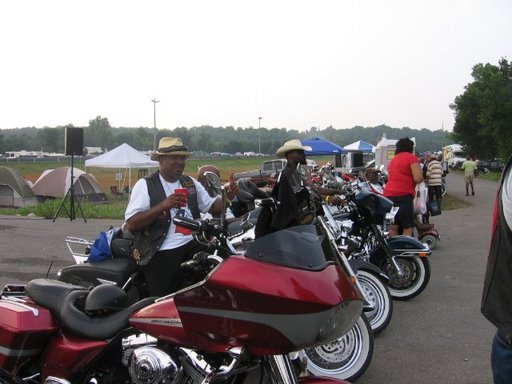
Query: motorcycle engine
point(151, 365)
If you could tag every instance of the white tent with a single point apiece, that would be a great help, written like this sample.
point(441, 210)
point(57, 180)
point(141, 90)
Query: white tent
point(125, 157)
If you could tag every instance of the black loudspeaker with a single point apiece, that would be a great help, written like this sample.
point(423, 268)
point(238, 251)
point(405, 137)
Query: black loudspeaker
point(74, 141)
point(358, 160)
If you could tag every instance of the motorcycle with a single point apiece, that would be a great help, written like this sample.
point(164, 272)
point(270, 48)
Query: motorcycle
point(365, 219)
point(351, 353)
point(230, 327)
point(349, 356)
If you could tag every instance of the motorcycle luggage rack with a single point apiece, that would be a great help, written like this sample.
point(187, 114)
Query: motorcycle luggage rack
point(13, 290)
point(80, 254)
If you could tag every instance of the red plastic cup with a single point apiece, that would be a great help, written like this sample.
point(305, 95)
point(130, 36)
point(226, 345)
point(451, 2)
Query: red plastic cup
point(184, 192)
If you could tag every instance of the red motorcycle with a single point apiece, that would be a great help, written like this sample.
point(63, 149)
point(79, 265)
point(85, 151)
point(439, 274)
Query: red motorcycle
point(238, 325)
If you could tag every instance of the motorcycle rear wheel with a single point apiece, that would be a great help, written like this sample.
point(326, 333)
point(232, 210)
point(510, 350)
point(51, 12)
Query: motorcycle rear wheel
point(414, 279)
point(345, 358)
point(430, 240)
point(379, 296)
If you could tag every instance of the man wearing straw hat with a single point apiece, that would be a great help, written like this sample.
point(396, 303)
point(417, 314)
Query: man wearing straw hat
point(159, 245)
point(291, 192)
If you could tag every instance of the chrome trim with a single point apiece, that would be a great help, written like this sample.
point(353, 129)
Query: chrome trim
point(16, 301)
point(19, 352)
point(55, 380)
point(282, 369)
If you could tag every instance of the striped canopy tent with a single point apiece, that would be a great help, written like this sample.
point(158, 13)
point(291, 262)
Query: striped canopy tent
point(360, 146)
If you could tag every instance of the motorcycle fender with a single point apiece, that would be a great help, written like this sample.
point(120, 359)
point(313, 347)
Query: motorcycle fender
point(406, 246)
point(320, 380)
point(357, 265)
point(8, 378)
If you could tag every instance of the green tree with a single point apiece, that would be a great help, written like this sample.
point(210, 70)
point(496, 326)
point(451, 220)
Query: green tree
point(98, 133)
point(50, 139)
point(483, 113)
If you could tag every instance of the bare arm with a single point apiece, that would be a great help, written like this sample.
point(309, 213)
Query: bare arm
point(417, 173)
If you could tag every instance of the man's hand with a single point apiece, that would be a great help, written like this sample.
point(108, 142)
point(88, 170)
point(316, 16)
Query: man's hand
point(175, 201)
point(231, 189)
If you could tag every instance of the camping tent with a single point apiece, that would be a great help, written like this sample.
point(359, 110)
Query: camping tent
point(57, 182)
point(360, 146)
point(123, 156)
point(14, 189)
point(322, 147)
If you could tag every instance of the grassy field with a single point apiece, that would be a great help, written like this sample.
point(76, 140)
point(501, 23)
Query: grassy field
point(115, 207)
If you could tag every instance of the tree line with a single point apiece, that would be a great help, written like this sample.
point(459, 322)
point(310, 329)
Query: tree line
point(483, 125)
point(483, 113)
point(209, 139)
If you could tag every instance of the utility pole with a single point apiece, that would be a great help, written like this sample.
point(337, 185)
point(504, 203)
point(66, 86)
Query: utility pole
point(154, 101)
point(259, 136)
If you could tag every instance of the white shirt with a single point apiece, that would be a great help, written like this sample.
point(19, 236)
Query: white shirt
point(140, 202)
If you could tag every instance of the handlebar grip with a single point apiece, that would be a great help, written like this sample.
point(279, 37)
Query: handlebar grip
point(266, 202)
point(185, 222)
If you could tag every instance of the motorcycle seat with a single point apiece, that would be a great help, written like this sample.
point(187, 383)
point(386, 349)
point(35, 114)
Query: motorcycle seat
point(116, 270)
point(50, 293)
point(74, 320)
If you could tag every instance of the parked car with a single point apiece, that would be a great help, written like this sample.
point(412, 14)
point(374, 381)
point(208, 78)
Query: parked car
point(492, 165)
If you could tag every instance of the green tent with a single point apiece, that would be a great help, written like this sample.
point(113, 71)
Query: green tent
point(14, 189)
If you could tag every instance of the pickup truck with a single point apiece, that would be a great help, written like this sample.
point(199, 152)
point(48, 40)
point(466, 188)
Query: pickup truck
point(265, 175)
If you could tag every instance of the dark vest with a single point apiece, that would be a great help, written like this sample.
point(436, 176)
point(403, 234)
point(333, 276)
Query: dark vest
point(148, 241)
point(497, 292)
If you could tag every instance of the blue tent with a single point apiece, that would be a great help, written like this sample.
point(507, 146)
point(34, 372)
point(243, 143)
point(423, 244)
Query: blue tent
point(322, 147)
point(360, 146)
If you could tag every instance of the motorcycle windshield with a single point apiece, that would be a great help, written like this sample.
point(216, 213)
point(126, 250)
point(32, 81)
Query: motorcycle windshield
point(300, 247)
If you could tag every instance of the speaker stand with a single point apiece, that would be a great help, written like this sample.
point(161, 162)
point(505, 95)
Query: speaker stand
point(71, 195)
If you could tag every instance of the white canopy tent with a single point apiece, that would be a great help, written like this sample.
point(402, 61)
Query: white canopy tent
point(125, 157)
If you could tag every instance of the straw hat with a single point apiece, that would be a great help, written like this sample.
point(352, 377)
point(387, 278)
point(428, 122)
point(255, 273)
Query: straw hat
point(170, 146)
point(292, 145)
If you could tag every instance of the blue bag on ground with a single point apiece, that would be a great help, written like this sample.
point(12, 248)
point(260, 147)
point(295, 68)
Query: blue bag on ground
point(101, 250)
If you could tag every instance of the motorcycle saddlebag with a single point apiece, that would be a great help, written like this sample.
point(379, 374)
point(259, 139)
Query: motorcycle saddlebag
point(87, 275)
point(25, 329)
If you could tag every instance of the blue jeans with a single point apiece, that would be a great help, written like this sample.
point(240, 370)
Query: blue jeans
point(501, 359)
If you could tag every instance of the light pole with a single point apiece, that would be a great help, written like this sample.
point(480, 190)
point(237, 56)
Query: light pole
point(154, 101)
point(259, 136)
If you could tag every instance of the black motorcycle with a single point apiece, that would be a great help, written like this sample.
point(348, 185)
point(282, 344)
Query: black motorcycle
point(363, 222)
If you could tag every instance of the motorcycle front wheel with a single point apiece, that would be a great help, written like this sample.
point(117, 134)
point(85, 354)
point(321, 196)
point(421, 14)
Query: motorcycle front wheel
point(414, 279)
point(377, 293)
point(345, 358)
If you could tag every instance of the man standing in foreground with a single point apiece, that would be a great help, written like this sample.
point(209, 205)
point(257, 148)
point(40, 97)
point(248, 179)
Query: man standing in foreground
point(159, 245)
point(497, 292)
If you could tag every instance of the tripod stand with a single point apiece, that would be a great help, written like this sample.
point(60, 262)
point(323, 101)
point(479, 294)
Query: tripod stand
point(71, 195)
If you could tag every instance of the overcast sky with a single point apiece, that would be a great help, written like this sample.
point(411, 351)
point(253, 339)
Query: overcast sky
point(295, 63)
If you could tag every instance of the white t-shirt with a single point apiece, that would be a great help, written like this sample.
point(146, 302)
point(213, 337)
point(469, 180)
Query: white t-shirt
point(139, 202)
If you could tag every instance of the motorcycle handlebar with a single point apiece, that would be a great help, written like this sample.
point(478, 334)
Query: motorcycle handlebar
point(208, 228)
point(185, 222)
